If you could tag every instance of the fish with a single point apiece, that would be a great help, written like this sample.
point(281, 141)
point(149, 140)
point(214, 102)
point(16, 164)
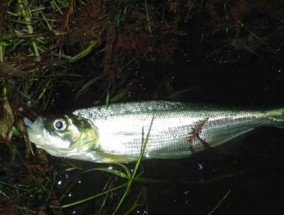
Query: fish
point(120, 132)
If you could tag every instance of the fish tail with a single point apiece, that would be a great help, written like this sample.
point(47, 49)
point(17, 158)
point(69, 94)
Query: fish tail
point(276, 117)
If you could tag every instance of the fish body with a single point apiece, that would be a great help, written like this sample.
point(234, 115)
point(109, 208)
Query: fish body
point(117, 133)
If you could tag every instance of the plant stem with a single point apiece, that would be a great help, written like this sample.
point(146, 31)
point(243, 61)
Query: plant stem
point(27, 16)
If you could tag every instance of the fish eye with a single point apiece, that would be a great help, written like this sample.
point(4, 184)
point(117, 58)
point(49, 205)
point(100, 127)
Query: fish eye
point(59, 124)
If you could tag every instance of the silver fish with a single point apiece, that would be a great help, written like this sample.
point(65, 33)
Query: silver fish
point(116, 133)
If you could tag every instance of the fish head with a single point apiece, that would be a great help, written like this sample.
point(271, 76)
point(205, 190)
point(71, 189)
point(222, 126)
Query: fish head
point(63, 136)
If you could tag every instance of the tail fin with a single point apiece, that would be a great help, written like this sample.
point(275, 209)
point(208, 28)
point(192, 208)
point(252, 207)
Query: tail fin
point(276, 117)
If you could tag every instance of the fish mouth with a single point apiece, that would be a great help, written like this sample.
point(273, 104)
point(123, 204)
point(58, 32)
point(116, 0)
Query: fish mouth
point(33, 124)
point(28, 122)
point(35, 129)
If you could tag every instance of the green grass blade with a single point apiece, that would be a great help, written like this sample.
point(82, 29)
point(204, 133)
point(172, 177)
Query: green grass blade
point(94, 196)
point(83, 53)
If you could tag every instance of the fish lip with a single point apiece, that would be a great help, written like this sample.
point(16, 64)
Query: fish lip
point(32, 123)
point(36, 131)
point(28, 122)
point(34, 127)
